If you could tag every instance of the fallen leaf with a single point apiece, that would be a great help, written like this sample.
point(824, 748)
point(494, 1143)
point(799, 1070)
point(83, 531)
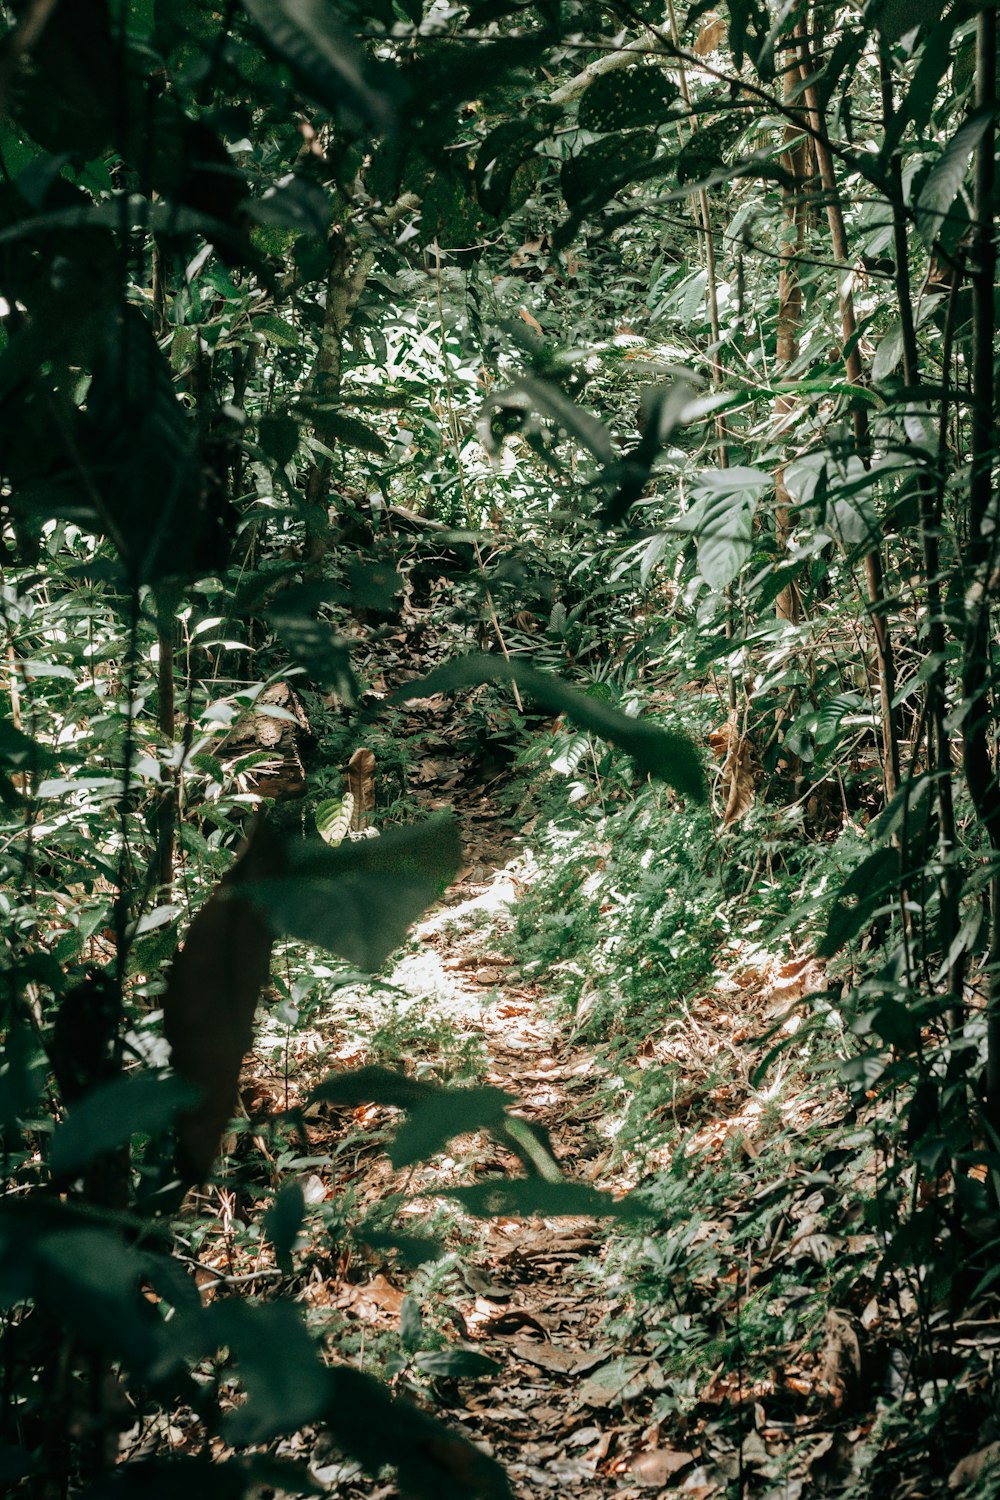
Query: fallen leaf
point(621, 1380)
point(546, 1356)
point(974, 1466)
point(361, 786)
point(657, 1467)
point(373, 1297)
point(840, 1358)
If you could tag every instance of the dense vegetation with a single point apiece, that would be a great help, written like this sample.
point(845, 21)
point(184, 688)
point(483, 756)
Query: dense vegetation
point(583, 414)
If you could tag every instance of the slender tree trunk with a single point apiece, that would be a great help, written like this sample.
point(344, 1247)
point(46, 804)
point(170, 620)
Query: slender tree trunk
point(930, 527)
point(344, 285)
point(796, 161)
point(703, 214)
point(168, 808)
point(979, 726)
point(855, 374)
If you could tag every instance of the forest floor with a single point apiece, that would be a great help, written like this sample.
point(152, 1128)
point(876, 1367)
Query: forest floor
point(743, 1346)
point(568, 1408)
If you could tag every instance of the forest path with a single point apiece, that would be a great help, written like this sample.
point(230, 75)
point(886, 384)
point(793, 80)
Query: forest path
point(571, 1405)
point(532, 1306)
point(525, 1292)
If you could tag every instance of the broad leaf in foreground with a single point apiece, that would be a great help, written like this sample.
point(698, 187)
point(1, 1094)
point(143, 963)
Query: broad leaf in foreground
point(533, 1197)
point(663, 754)
point(360, 899)
point(208, 1008)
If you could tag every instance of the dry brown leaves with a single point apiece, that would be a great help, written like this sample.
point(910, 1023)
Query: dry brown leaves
point(737, 777)
point(361, 786)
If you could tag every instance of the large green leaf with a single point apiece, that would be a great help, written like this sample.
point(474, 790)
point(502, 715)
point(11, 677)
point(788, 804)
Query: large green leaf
point(141, 459)
point(18, 752)
point(283, 1222)
point(360, 899)
point(894, 18)
point(595, 173)
point(865, 891)
point(286, 1384)
point(505, 167)
point(308, 35)
point(335, 426)
point(625, 97)
point(534, 1197)
point(434, 1461)
point(941, 186)
point(89, 1281)
point(456, 1364)
point(443, 1115)
point(663, 754)
point(529, 394)
point(111, 1114)
point(371, 1085)
point(222, 1479)
point(722, 520)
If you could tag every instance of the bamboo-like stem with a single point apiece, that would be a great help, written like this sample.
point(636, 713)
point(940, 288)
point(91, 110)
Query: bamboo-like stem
point(457, 448)
point(930, 525)
point(794, 159)
point(855, 374)
point(979, 722)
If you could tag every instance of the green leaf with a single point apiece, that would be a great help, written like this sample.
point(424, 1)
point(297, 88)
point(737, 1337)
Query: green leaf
point(326, 64)
point(371, 1085)
point(722, 520)
point(283, 1223)
point(864, 892)
point(533, 1197)
point(411, 1324)
point(315, 645)
point(830, 719)
point(621, 1380)
point(278, 433)
point(703, 153)
point(599, 170)
point(505, 166)
point(278, 1363)
point(360, 899)
point(90, 1280)
point(108, 1117)
point(142, 454)
point(456, 1364)
point(413, 1249)
point(19, 752)
point(542, 396)
point(434, 1461)
point(333, 818)
point(222, 1479)
point(894, 18)
point(941, 186)
point(443, 1115)
point(889, 352)
point(624, 97)
point(661, 753)
point(276, 331)
point(294, 203)
point(335, 426)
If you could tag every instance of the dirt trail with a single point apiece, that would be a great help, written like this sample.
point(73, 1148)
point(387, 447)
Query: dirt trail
point(567, 1411)
point(532, 1309)
point(526, 1301)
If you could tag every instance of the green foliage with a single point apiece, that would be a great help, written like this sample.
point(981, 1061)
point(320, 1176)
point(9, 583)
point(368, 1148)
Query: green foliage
point(661, 753)
point(359, 900)
point(331, 332)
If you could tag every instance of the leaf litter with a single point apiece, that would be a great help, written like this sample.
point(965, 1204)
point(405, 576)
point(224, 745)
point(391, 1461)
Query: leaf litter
point(746, 1347)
